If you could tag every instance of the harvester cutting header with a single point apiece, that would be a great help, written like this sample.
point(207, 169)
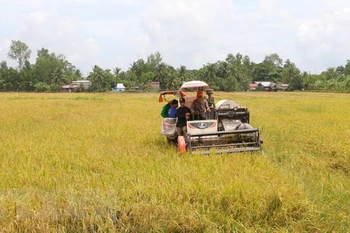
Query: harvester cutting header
point(222, 127)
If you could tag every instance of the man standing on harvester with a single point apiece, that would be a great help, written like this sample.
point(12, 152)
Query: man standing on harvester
point(183, 113)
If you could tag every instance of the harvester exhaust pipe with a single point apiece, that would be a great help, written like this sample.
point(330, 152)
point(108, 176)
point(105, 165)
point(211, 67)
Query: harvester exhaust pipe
point(210, 99)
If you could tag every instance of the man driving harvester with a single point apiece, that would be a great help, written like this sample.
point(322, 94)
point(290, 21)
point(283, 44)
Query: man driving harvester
point(200, 106)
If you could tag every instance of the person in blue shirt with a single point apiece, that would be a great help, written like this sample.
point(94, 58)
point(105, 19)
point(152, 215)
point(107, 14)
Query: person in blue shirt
point(165, 110)
point(172, 110)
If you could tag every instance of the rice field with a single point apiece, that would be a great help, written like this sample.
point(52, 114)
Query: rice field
point(73, 162)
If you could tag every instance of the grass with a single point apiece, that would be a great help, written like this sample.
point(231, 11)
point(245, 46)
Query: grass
point(97, 163)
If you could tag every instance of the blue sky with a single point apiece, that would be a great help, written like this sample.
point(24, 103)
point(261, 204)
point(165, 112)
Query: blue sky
point(314, 34)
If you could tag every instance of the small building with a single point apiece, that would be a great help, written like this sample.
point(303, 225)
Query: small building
point(253, 86)
point(75, 85)
point(68, 88)
point(265, 86)
point(282, 86)
point(119, 88)
point(155, 85)
point(264, 83)
point(85, 83)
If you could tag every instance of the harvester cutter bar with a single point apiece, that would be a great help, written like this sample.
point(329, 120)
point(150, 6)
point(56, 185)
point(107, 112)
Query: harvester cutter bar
point(242, 131)
point(204, 141)
point(241, 144)
point(226, 151)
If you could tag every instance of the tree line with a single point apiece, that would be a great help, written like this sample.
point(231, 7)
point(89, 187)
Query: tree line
point(50, 71)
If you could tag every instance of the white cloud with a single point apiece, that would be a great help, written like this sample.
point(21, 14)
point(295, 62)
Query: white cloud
point(313, 33)
point(268, 5)
point(61, 35)
point(323, 39)
point(186, 33)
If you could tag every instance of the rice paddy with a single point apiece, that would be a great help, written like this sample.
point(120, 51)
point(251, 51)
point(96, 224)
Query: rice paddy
point(83, 162)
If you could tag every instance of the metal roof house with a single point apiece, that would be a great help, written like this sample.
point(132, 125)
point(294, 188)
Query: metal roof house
point(75, 85)
point(266, 85)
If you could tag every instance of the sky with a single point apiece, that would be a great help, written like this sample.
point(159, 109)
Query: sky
point(314, 34)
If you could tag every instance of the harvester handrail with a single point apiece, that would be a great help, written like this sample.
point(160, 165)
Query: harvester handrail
point(234, 113)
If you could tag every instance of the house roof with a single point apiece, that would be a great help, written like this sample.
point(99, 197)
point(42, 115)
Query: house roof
point(265, 83)
point(81, 81)
point(69, 86)
point(120, 85)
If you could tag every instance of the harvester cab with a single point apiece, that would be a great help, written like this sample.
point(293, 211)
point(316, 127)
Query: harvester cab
point(225, 129)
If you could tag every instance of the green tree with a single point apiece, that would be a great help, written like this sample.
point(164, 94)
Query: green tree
point(100, 79)
point(41, 87)
point(238, 71)
point(9, 78)
point(20, 52)
point(54, 69)
point(210, 74)
point(172, 82)
point(347, 68)
point(291, 75)
point(26, 78)
point(268, 70)
point(340, 70)
point(330, 73)
point(274, 59)
point(182, 74)
point(153, 61)
point(162, 75)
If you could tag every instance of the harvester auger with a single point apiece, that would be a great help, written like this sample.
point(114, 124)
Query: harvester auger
point(226, 128)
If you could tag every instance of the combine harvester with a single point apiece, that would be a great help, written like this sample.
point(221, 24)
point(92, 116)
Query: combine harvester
point(226, 128)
